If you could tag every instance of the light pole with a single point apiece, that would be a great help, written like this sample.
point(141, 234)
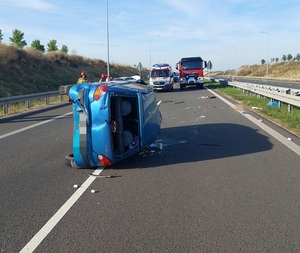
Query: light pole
point(268, 51)
point(150, 48)
point(107, 36)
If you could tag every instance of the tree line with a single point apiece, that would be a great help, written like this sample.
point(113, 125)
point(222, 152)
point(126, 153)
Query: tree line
point(18, 40)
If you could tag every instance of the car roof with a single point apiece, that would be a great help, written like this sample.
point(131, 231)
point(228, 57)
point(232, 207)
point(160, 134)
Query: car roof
point(124, 78)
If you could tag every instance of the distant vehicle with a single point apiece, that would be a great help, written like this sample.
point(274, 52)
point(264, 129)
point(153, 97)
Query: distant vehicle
point(112, 121)
point(191, 71)
point(124, 78)
point(129, 79)
point(175, 77)
point(136, 77)
point(161, 77)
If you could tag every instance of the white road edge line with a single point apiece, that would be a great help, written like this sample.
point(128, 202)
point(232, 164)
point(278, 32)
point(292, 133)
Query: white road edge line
point(32, 126)
point(46, 229)
point(291, 145)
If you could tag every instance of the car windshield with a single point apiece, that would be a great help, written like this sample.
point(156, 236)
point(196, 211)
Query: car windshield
point(159, 73)
point(190, 65)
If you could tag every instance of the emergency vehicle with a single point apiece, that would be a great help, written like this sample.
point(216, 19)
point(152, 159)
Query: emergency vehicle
point(191, 71)
point(161, 77)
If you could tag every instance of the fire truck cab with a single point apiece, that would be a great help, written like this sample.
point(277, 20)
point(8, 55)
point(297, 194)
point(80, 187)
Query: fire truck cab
point(191, 71)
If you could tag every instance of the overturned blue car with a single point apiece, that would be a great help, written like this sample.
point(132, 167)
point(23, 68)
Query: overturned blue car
point(112, 121)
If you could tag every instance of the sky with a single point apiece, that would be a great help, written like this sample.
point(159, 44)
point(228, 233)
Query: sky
point(229, 33)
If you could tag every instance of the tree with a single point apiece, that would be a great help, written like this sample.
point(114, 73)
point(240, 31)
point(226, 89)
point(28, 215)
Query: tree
point(37, 45)
point(17, 39)
point(283, 58)
point(52, 46)
point(64, 49)
point(1, 36)
point(289, 57)
point(297, 57)
point(263, 61)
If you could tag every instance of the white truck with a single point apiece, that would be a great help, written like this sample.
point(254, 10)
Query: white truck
point(161, 77)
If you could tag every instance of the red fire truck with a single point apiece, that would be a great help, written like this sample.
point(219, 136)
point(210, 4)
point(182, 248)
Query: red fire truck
point(191, 71)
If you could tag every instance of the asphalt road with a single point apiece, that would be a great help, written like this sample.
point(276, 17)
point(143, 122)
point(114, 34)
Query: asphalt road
point(225, 181)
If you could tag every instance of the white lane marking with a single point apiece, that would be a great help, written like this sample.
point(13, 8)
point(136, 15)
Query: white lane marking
point(32, 126)
point(46, 229)
point(291, 145)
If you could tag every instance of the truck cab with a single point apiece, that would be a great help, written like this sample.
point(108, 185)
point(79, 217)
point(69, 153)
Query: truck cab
point(191, 71)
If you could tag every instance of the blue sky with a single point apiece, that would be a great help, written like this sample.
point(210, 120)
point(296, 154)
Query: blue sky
point(226, 32)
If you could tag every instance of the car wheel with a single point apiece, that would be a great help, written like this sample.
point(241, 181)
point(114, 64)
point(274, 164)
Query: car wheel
point(181, 87)
point(200, 86)
point(69, 159)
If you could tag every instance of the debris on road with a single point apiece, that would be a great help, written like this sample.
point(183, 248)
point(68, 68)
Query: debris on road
point(256, 108)
point(207, 97)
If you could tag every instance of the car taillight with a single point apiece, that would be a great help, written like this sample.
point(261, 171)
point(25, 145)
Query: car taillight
point(100, 91)
point(104, 161)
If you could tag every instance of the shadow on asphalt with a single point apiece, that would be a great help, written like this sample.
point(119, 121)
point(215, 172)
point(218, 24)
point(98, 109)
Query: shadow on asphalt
point(199, 143)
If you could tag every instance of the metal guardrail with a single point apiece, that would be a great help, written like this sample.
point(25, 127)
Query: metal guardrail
point(5, 102)
point(291, 97)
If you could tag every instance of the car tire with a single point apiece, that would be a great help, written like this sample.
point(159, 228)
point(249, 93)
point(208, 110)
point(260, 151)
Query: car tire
point(69, 160)
point(200, 86)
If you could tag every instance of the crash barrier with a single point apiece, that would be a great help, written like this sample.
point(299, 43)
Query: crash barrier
point(5, 102)
point(277, 95)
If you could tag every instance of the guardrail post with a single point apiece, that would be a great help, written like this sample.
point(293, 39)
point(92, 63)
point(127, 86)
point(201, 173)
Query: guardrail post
point(28, 104)
point(290, 108)
point(5, 108)
point(47, 100)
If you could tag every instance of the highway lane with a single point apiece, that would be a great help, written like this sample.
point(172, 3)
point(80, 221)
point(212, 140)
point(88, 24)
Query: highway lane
point(221, 183)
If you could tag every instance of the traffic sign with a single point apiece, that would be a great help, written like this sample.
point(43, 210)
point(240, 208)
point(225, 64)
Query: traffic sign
point(209, 65)
point(140, 67)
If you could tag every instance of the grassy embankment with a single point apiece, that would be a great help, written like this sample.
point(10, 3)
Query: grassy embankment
point(27, 71)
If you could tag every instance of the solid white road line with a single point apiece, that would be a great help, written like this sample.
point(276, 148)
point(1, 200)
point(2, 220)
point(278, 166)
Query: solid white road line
point(291, 145)
point(46, 229)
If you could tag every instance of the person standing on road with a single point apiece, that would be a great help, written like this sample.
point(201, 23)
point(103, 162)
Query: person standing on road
point(82, 78)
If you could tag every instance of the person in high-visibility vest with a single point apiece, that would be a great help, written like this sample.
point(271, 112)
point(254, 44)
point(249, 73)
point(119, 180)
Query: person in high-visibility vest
point(82, 78)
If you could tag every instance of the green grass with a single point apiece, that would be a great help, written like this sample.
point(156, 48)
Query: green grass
point(279, 115)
